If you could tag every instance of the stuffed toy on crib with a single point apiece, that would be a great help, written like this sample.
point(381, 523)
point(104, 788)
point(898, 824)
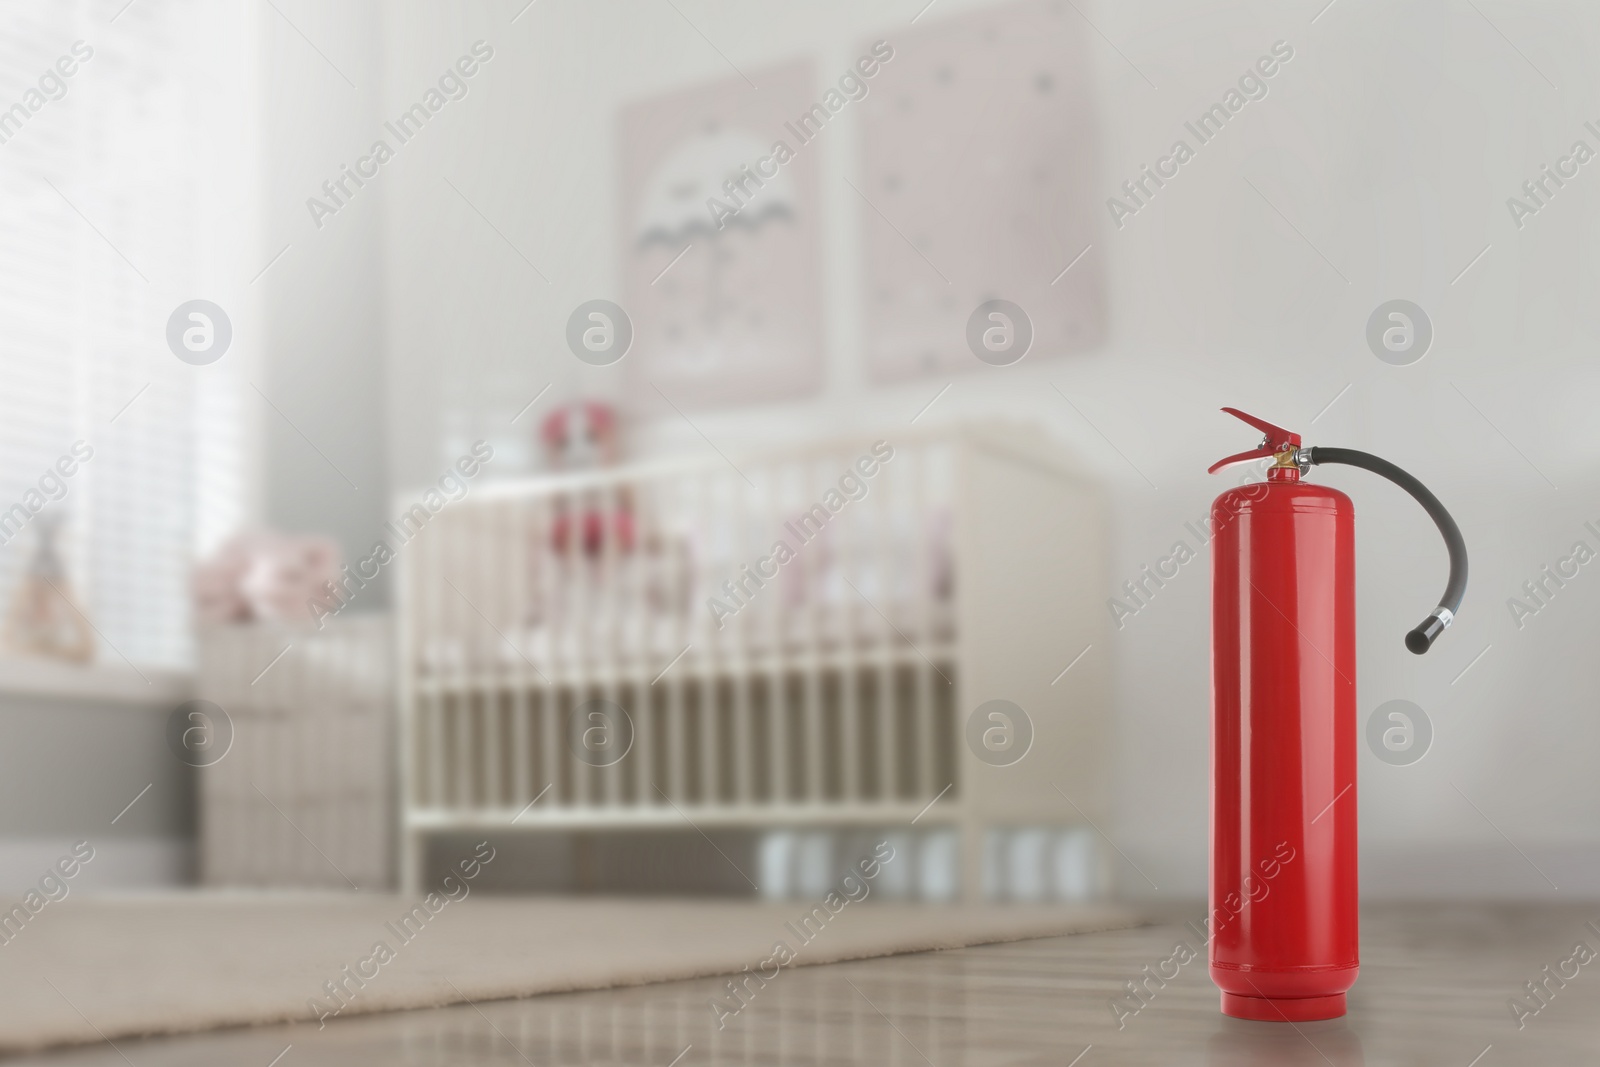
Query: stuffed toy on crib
point(583, 436)
point(598, 559)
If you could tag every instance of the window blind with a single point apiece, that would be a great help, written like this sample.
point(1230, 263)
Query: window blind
point(125, 190)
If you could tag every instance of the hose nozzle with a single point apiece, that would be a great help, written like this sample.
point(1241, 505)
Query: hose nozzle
point(1421, 639)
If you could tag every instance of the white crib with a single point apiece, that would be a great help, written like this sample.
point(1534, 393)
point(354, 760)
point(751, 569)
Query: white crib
point(832, 690)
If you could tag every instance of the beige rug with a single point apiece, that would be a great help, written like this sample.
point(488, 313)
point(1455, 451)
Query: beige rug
point(88, 968)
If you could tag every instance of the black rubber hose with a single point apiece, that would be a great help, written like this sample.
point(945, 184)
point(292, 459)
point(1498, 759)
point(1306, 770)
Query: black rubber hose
point(1420, 639)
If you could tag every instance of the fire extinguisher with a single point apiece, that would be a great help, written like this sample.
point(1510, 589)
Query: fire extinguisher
point(1283, 922)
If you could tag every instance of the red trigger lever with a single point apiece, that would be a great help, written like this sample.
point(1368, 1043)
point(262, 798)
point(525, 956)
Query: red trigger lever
point(1276, 441)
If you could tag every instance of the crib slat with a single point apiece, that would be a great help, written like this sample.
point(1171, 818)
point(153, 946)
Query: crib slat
point(614, 595)
point(888, 566)
point(921, 599)
point(743, 750)
point(552, 600)
point(812, 578)
point(706, 693)
point(678, 502)
point(467, 771)
point(650, 547)
point(778, 750)
point(570, 633)
point(853, 606)
point(495, 652)
point(514, 545)
point(681, 629)
point(522, 747)
point(677, 784)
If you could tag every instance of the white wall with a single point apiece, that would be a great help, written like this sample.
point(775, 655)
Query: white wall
point(324, 416)
point(1390, 143)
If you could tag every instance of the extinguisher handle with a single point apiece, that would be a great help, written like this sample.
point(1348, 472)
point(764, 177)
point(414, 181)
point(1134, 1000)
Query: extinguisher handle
point(1420, 639)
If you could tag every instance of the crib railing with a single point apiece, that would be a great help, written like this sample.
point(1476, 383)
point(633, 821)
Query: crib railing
point(740, 644)
point(737, 744)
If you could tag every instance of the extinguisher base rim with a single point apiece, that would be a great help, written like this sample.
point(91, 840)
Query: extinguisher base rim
point(1283, 1009)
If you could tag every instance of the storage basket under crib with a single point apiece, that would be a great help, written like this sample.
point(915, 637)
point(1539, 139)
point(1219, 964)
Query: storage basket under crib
point(629, 648)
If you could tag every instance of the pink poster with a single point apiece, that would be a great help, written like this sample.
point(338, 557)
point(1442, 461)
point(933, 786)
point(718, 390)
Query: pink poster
point(977, 152)
point(720, 246)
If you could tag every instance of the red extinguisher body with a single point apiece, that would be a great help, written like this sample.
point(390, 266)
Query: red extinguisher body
point(1283, 924)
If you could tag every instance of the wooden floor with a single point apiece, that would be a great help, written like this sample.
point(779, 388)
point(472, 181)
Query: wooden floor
point(1434, 989)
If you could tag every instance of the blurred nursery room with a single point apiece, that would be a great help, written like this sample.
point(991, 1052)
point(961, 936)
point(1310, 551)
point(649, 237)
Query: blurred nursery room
point(684, 532)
